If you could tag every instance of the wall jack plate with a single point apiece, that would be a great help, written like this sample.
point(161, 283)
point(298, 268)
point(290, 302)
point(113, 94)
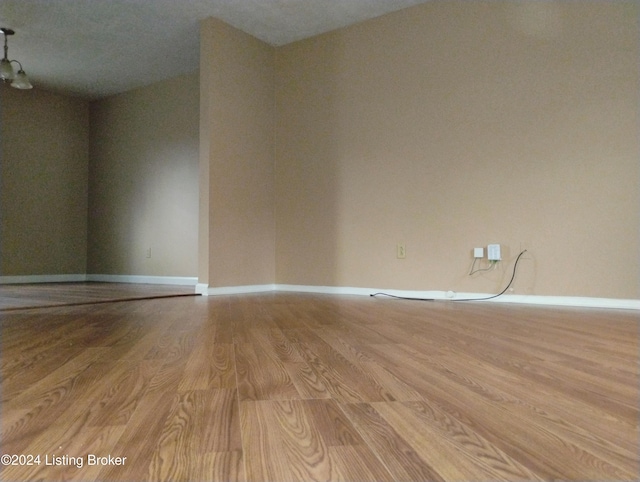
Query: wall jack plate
point(478, 252)
point(493, 252)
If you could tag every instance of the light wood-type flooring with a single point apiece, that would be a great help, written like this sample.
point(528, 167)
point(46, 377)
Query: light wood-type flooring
point(293, 387)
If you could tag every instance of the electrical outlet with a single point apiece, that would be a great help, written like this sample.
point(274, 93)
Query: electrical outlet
point(493, 252)
point(148, 253)
point(478, 252)
point(401, 252)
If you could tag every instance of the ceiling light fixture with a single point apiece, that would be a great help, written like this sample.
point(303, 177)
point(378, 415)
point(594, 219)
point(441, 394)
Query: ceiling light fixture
point(18, 80)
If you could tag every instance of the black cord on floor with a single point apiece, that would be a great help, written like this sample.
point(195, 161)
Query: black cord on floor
point(402, 297)
point(515, 266)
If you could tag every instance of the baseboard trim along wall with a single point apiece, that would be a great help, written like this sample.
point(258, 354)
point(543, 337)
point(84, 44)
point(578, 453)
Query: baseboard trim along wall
point(204, 289)
point(105, 278)
point(236, 290)
point(43, 278)
point(574, 301)
point(151, 280)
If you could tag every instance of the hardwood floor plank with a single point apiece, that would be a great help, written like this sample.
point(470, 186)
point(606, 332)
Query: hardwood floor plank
point(279, 344)
point(303, 443)
point(355, 354)
point(93, 428)
point(30, 370)
point(138, 441)
point(346, 382)
point(589, 386)
point(125, 383)
point(606, 398)
point(136, 350)
point(218, 427)
point(286, 386)
point(209, 366)
point(516, 378)
point(21, 343)
point(220, 467)
point(287, 317)
point(143, 430)
point(262, 445)
point(392, 449)
point(441, 439)
point(558, 411)
point(523, 439)
point(261, 376)
point(309, 440)
point(396, 388)
point(348, 346)
point(356, 462)
point(441, 453)
point(41, 404)
point(306, 380)
point(336, 427)
point(172, 345)
point(73, 439)
point(199, 422)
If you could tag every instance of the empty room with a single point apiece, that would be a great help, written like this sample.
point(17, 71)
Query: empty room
point(370, 240)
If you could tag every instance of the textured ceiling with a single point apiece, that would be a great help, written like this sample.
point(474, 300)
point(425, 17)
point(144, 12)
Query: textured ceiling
point(95, 48)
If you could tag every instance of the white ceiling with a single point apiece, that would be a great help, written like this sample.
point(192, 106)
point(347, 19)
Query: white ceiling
point(95, 48)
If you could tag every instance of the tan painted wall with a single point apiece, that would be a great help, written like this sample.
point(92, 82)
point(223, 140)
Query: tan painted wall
point(446, 126)
point(143, 183)
point(43, 183)
point(238, 116)
point(457, 124)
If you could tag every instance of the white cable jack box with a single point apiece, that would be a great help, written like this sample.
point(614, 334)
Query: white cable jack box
point(478, 252)
point(493, 252)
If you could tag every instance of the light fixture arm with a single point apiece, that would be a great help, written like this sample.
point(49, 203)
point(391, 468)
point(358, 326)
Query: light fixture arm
point(17, 62)
point(18, 80)
point(6, 32)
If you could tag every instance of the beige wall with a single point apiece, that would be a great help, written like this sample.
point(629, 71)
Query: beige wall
point(237, 158)
point(457, 124)
point(43, 183)
point(143, 181)
point(446, 126)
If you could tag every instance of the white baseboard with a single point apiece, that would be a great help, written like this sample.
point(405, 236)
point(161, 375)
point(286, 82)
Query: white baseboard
point(575, 301)
point(152, 280)
point(237, 290)
point(204, 289)
point(106, 278)
point(44, 278)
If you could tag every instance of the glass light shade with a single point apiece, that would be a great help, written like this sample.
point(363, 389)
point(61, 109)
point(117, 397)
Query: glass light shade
point(21, 81)
point(6, 70)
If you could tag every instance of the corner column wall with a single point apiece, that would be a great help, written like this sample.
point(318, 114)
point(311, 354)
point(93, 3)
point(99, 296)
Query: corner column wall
point(237, 158)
